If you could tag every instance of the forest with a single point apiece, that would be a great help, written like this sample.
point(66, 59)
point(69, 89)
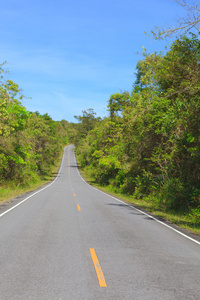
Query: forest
point(30, 143)
point(147, 147)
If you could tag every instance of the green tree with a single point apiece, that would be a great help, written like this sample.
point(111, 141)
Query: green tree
point(118, 102)
point(152, 144)
point(87, 122)
point(30, 143)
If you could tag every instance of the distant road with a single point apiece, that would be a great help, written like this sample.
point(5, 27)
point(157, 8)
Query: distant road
point(71, 241)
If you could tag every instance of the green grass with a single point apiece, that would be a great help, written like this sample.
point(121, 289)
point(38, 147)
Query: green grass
point(190, 222)
point(10, 190)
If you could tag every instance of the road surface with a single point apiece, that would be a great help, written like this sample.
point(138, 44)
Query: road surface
point(70, 241)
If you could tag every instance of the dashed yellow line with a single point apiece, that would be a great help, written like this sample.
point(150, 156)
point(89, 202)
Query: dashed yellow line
point(100, 276)
point(68, 161)
point(98, 269)
point(69, 169)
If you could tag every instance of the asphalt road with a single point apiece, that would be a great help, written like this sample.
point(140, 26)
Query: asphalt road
point(71, 241)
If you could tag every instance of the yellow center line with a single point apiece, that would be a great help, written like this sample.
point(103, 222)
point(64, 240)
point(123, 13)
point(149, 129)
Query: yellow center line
point(98, 269)
point(78, 207)
point(68, 161)
point(69, 170)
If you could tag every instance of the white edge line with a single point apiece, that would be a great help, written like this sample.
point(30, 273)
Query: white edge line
point(7, 211)
point(133, 207)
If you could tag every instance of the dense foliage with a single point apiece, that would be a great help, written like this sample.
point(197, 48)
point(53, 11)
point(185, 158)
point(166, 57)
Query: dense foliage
point(148, 147)
point(150, 144)
point(30, 143)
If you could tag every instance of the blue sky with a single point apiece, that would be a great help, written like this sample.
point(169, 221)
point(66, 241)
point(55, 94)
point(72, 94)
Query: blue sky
point(71, 55)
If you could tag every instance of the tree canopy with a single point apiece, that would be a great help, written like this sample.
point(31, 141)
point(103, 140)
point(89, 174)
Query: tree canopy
point(30, 143)
point(150, 143)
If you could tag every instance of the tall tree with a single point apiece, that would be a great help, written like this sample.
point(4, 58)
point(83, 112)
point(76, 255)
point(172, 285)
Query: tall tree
point(87, 122)
point(118, 102)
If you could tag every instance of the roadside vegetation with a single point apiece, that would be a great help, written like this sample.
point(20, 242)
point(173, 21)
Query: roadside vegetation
point(188, 221)
point(30, 143)
point(147, 151)
point(149, 146)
